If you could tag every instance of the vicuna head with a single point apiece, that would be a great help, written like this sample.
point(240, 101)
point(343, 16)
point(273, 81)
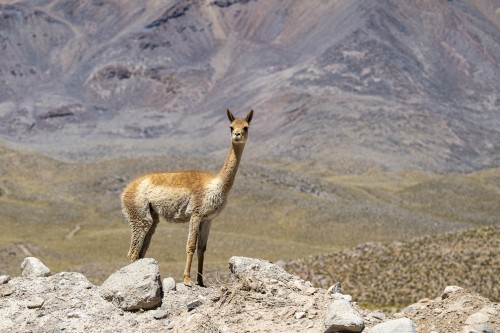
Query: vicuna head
point(239, 127)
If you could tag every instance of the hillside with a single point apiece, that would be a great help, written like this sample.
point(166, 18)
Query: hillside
point(399, 273)
point(69, 213)
point(348, 84)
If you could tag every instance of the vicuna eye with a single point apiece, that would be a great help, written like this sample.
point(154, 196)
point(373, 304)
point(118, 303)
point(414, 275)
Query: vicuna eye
point(232, 128)
point(245, 128)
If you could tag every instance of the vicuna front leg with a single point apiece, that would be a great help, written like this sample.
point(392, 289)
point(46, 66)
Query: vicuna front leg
point(202, 247)
point(194, 226)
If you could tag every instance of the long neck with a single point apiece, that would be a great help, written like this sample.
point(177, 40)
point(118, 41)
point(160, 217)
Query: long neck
point(230, 167)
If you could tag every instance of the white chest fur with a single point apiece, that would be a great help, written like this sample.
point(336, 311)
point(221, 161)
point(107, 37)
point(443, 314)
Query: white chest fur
point(214, 200)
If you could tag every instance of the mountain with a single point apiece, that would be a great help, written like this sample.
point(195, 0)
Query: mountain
point(400, 84)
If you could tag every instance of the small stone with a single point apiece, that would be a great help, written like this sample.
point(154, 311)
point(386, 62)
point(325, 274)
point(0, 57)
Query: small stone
point(4, 279)
point(449, 290)
point(310, 291)
point(477, 318)
point(377, 315)
point(488, 310)
point(336, 288)
point(168, 284)
point(194, 304)
point(481, 328)
point(437, 311)
point(181, 287)
point(74, 315)
point(161, 314)
point(298, 285)
point(6, 290)
point(399, 315)
point(35, 302)
point(413, 307)
point(32, 267)
point(170, 325)
point(300, 314)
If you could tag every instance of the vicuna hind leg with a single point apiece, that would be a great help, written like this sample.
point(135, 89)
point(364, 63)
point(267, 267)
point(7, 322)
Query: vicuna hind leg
point(139, 241)
point(147, 240)
point(202, 247)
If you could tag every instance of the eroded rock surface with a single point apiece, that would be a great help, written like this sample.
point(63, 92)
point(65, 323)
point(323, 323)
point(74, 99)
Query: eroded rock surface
point(261, 297)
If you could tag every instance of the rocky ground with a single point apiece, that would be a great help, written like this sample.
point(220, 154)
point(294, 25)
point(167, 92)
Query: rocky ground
point(261, 297)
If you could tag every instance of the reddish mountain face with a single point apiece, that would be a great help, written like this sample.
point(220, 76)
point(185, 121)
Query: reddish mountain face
point(402, 84)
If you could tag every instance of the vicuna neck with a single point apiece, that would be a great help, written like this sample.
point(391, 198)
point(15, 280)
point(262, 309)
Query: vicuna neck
point(230, 167)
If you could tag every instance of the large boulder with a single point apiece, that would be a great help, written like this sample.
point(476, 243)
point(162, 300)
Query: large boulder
point(32, 267)
point(341, 316)
point(136, 286)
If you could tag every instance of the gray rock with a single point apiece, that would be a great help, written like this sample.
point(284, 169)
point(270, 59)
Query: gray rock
point(300, 314)
point(401, 325)
point(194, 304)
point(136, 286)
point(449, 290)
point(241, 268)
point(4, 279)
point(481, 328)
point(168, 284)
point(341, 316)
point(32, 267)
point(342, 296)
point(161, 314)
point(336, 288)
point(181, 287)
point(6, 290)
point(35, 302)
point(377, 314)
point(477, 318)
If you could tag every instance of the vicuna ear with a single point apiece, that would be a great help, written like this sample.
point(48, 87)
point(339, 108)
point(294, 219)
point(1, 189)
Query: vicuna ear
point(230, 115)
point(249, 117)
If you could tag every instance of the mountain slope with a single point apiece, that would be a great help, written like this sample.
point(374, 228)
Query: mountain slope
point(400, 273)
point(399, 84)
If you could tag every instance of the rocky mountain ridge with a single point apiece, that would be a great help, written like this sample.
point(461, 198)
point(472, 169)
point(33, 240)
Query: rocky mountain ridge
point(262, 297)
point(393, 83)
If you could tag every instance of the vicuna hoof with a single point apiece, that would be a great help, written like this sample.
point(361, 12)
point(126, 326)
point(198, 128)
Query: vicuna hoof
point(188, 282)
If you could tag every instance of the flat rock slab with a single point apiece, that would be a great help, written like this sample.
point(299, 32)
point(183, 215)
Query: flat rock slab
point(136, 286)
